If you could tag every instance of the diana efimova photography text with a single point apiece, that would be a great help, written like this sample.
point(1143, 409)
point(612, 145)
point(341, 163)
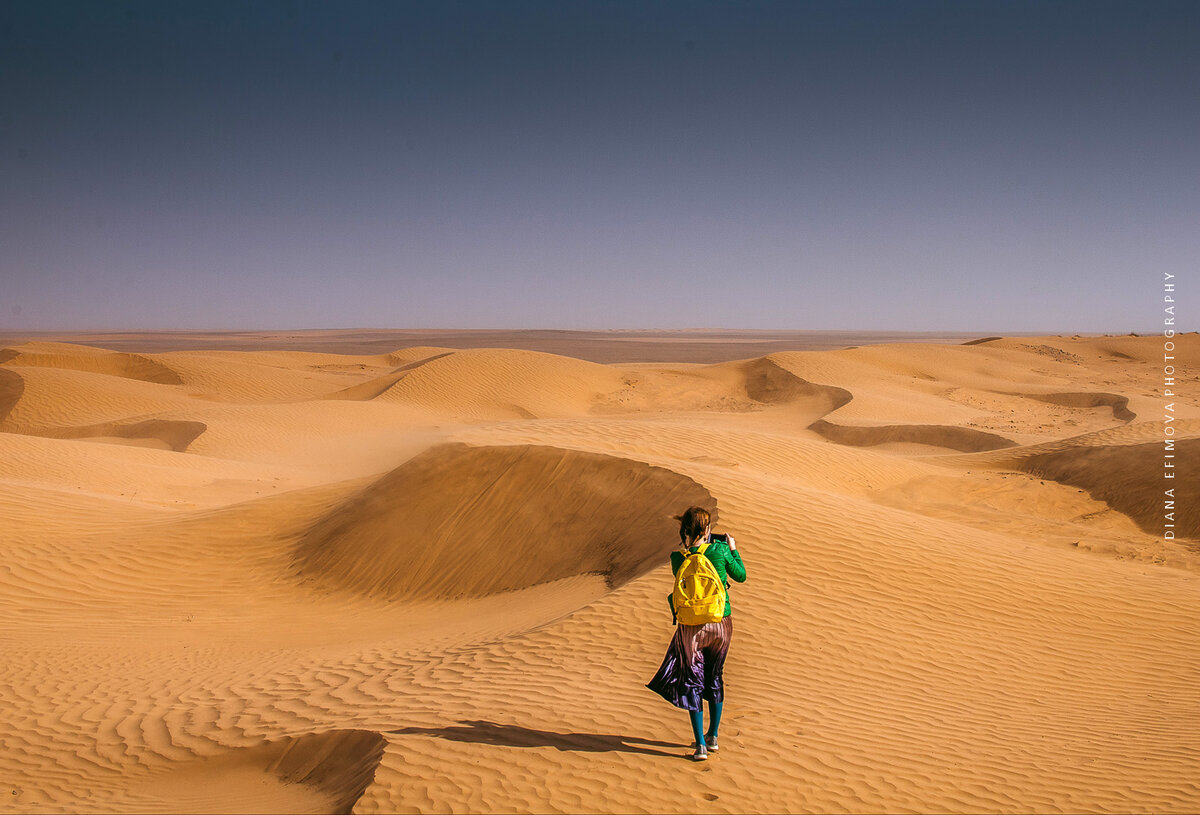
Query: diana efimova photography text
point(1169, 386)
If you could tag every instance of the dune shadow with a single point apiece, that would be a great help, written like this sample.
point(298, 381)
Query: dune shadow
point(769, 383)
point(511, 735)
point(12, 386)
point(962, 439)
point(1126, 477)
point(1119, 404)
point(336, 765)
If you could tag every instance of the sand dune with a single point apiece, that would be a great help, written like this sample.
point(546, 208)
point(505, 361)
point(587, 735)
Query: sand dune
point(1129, 479)
point(61, 397)
point(91, 360)
point(433, 579)
point(374, 388)
point(769, 383)
point(469, 522)
point(503, 384)
point(258, 378)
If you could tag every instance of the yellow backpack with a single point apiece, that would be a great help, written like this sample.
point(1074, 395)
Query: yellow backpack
point(699, 595)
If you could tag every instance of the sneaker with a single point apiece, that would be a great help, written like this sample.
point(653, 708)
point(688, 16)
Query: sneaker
point(711, 743)
point(701, 753)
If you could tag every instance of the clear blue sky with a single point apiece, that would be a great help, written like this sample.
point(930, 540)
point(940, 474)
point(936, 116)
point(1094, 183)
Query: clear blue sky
point(971, 166)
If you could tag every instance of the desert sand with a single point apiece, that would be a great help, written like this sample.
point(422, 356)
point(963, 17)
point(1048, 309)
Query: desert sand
point(433, 578)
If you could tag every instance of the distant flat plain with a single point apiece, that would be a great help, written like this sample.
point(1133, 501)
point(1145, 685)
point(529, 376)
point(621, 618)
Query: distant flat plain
point(642, 345)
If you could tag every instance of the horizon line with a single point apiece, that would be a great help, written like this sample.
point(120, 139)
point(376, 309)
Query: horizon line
point(648, 329)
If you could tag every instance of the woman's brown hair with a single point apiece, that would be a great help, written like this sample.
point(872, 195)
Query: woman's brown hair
point(692, 524)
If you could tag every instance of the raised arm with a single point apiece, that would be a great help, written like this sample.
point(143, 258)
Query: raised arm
point(734, 568)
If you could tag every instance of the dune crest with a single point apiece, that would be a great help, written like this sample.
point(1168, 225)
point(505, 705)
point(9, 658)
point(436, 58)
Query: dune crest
point(502, 384)
point(375, 388)
point(91, 360)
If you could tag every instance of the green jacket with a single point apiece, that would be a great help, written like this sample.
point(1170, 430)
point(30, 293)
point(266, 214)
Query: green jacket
point(728, 563)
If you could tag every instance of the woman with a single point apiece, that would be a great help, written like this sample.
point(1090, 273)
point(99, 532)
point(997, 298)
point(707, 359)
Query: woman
point(692, 669)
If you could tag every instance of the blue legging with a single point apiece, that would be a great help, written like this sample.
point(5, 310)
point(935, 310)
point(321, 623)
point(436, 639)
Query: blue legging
point(714, 717)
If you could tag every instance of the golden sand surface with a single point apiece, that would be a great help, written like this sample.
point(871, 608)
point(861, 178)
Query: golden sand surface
point(432, 578)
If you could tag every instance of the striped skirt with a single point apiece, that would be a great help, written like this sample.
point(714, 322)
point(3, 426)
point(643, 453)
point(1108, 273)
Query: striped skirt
point(692, 669)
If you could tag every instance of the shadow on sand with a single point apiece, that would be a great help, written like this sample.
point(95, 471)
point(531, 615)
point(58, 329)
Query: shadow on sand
point(511, 735)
